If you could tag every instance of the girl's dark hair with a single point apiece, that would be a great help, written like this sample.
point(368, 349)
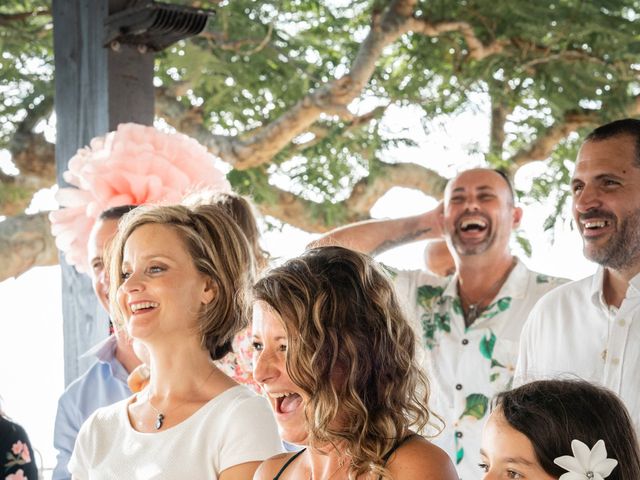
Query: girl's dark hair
point(552, 413)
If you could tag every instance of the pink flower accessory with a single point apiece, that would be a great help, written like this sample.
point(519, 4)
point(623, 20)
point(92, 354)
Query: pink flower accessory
point(133, 165)
point(586, 464)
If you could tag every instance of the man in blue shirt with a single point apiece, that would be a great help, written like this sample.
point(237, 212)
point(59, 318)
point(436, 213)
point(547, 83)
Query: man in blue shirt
point(106, 380)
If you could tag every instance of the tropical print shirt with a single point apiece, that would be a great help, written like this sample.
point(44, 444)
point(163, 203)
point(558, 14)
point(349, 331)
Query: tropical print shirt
point(467, 366)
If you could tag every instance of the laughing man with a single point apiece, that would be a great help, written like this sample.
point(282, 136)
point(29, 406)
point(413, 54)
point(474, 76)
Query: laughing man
point(469, 323)
point(591, 328)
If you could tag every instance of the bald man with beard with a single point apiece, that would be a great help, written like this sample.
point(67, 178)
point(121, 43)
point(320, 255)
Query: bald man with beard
point(469, 324)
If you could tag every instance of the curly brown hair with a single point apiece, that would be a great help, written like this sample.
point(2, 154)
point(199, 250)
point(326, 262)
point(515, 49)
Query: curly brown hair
point(219, 250)
point(352, 352)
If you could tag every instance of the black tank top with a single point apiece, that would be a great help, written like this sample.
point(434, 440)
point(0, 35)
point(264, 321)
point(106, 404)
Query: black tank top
point(385, 458)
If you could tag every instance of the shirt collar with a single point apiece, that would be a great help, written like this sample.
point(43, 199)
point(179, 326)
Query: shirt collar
point(515, 286)
point(634, 287)
point(104, 350)
point(596, 293)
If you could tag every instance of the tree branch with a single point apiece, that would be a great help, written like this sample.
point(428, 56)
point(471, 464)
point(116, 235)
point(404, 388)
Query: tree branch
point(543, 145)
point(7, 18)
point(221, 41)
point(25, 242)
point(320, 132)
point(368, 191)
point(266, 142)
point(477, 50)
point(298, 212)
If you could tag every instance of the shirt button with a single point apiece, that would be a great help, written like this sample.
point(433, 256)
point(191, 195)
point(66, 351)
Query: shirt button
point(458, 387)
point(465, 341)
point(622, 322)
point(458, 434)
point(615, 361)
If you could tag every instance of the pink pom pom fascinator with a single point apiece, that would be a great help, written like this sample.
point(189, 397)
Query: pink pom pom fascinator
point(134, 165)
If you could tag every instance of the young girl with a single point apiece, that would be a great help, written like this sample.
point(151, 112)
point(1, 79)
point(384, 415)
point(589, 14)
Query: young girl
point(560, 429)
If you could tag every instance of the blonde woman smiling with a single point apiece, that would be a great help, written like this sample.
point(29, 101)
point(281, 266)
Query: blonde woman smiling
point(178, 278)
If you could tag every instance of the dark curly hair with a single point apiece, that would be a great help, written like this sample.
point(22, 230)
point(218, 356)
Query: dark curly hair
point(552, 413)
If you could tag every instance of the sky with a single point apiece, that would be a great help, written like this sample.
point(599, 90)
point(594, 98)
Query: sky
point(31, 365)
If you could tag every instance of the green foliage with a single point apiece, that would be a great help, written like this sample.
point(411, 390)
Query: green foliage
point(26, 64)
point(552, 187)
point(259, 58)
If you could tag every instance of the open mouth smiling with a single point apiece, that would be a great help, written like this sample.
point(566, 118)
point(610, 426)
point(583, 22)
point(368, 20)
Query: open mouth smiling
point(595, 224)
point(141, 307)
point(473, 224)
point(286, 402)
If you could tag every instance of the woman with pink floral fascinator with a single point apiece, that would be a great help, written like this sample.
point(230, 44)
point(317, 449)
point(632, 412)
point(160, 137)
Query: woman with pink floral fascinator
point(133, 165)
point(179, 279)
point(560, 429)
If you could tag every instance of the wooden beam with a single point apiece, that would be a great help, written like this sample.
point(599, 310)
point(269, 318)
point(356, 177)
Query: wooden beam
point(96, 88)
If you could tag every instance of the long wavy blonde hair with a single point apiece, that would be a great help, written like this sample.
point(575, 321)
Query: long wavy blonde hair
point(352, 352)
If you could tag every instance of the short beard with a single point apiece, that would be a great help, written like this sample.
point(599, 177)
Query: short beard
point(476, 249)
point(623, 249)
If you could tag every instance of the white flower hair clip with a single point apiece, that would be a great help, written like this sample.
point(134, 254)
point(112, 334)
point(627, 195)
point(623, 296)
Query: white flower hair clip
point(586, 464)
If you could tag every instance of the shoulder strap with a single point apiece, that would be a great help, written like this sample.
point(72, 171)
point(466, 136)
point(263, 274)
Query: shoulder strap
point(284, 467)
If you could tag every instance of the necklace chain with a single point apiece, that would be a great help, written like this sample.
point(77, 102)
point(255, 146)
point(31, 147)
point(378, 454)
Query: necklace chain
point(341, 462)
point(475, 309)
point(160, 415)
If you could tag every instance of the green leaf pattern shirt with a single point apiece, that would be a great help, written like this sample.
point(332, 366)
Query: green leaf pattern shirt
point(467, 366)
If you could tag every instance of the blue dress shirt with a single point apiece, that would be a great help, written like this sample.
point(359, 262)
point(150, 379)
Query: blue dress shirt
point(103, 384)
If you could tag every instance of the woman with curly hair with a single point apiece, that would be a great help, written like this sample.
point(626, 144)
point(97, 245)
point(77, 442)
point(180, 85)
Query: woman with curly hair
point(560, 429)
point(336, 359)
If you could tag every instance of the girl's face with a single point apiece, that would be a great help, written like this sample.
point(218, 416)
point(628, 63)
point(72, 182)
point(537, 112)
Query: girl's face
point(507, 453)
point(270, 371)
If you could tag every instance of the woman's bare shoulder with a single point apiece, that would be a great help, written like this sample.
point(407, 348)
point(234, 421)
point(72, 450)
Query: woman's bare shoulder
point(271, 466)
point(418, 458)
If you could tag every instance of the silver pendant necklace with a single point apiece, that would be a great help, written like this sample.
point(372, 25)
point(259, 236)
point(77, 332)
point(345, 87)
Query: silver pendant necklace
point(160, 416)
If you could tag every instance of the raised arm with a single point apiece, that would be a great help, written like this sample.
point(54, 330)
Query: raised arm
point(377, 236)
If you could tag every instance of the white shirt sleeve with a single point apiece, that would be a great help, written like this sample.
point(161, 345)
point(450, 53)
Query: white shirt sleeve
point(522, 374)
point(252, 434)
point(78, 464)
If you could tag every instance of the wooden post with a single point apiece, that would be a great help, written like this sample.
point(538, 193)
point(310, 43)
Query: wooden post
point(96, 88)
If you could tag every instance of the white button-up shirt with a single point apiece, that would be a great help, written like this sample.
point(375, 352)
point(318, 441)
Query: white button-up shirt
point(573, 332)
point(468, 366)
